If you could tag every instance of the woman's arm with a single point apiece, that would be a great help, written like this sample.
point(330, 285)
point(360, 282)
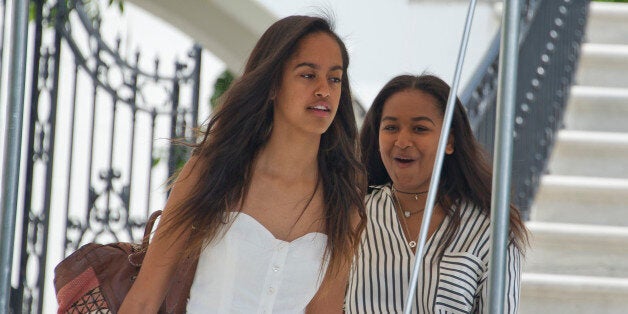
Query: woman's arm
point(152, 283)
point(331, 294)
point(330, 297)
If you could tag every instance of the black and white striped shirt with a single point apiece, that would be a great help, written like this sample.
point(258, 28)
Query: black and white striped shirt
point(457, 283)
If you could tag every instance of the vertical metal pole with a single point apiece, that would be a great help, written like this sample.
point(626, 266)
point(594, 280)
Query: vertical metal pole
point(438, 163)
point(3, 17)
point(196, 76)
point(174, 153)
point(13, 143)
point(502, 164)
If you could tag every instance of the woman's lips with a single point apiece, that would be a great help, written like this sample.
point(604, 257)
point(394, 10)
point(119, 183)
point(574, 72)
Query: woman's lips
point(403, 161)
point(321, 110)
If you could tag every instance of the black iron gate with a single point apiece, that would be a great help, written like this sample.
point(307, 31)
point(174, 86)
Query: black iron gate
point(98, 151)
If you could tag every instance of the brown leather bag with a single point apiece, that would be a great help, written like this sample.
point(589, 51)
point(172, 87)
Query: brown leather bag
point(97, 277)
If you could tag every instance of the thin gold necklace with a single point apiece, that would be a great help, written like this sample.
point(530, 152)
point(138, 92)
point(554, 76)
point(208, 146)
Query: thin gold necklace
point(404, 224)
point(407, 213)
point(415, 194)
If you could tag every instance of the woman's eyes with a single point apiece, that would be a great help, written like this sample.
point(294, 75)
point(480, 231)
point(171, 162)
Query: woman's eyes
point(415, 129)
point(333, 79)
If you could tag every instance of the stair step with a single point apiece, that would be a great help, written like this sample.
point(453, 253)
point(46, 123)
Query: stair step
point(608, 23)
point(603, 65)
point(579, 228)
point(595, 154)
point(581, 200)
point(601, 109)
point(575, 249)
point(558, 294)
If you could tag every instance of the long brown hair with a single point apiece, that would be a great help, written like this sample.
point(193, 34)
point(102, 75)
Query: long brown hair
point(242, 125)
point(466, 175)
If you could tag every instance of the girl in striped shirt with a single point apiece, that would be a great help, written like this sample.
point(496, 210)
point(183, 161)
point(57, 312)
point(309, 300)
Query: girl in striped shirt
point(399, 140)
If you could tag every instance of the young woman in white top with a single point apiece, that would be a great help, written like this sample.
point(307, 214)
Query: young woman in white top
point(399, 141)
point(274, 191)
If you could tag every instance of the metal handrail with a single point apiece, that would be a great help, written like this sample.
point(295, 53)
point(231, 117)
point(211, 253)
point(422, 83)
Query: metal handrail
point(509, 91)
point(502, 164)
point(13, 143)
point(551, 33)
point(440, 156)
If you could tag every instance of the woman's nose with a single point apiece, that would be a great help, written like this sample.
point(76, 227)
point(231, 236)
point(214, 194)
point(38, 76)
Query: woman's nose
point(403, 140)
point(323, 89)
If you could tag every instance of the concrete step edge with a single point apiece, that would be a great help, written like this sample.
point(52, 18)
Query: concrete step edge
point(605, 51)
point(597, 92)
point(592, 138)
point(597, 109)
point(607, 23)
point(596, 9)
point(560, 284)
point(608, 10)
point(582, 182)
point(579, 233)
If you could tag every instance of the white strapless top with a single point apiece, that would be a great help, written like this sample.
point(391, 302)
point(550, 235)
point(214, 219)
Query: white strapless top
point(248, 270)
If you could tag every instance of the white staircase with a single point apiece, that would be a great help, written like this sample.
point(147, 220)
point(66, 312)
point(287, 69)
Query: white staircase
point(578, 260)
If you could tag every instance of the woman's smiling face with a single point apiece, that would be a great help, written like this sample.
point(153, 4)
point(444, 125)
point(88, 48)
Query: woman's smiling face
point(409, 131)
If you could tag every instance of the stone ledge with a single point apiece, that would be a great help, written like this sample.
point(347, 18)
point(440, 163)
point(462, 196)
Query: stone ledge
point(590, 154)
point(597, 109)
point(612, 51)
point(585, 183)
point(595, 139)
point(577, 283)
point(564, 294)
point(577, 249)
point(562, 232)
point(597, 93)
point(603, 65)
point(608, 10)
point(592, 285)
point(572, 199)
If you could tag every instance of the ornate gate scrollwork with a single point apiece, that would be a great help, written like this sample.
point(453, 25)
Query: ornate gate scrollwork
point(98, 143)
